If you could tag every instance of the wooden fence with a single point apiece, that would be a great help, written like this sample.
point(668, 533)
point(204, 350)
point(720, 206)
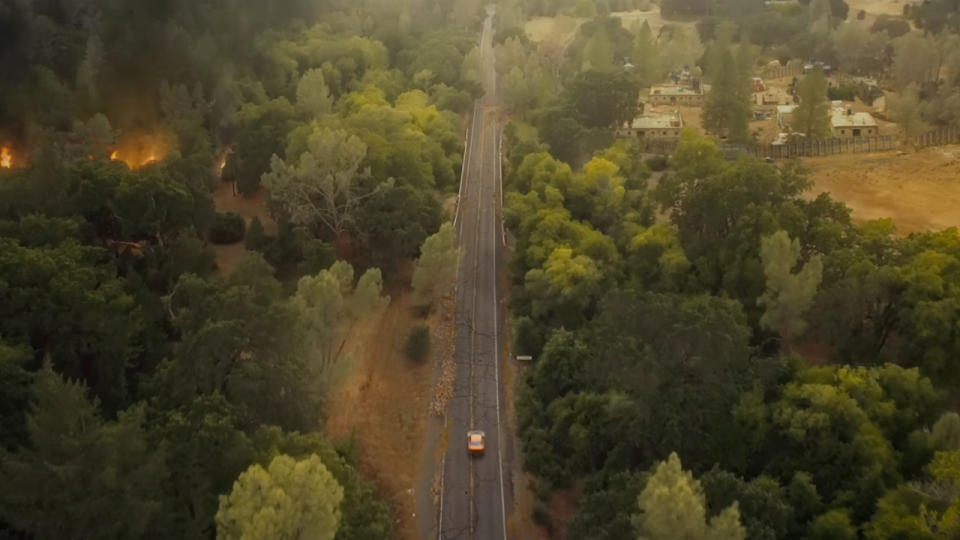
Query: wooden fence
point(811, 148)
point(825, 147)
point(815, 147)
point(938, 137)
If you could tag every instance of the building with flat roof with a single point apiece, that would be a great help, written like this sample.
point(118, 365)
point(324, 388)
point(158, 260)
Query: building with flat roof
point(845, 123)
point(653, 125)
point(672, 94)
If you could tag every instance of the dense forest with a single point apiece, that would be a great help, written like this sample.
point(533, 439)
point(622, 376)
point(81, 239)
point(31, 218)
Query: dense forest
point(720, 353)
point(145, 392)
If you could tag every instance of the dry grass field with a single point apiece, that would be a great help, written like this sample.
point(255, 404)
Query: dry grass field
point(920, 191)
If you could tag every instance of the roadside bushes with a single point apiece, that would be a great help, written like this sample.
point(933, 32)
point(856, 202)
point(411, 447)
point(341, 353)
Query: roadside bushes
point(656, 163)
point(227, 228)
point(417, 345)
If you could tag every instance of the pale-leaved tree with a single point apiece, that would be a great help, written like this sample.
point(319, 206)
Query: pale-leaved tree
point(313, 95)
point(788, 295)
point(672, 506)
point(290, 499)
point(328, 304)
point(323, 189)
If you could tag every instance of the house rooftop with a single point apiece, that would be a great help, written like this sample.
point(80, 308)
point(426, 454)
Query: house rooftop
point(657, 121)
point(860, 119)
point(671, 90)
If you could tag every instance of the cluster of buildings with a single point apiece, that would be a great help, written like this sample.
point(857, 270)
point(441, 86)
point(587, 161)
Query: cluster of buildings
point(659, 118)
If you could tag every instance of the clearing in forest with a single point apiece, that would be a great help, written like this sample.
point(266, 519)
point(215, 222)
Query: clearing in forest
point(224, 200)
point(919, 191)
point(879, 7)
point(562, 28)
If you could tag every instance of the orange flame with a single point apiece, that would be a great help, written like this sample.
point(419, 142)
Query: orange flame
point(222, 163)
point(6, 158)
point(139, 149)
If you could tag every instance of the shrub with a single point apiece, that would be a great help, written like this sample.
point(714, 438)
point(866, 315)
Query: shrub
point(417, 345)
point(256, 238)
point(657, 163)
point(894, 27)
point(227, 228)
point(528, 336)
point(843, 93)
point(542, 516)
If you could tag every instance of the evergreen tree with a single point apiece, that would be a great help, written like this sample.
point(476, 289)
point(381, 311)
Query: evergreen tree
point(727, 110)
point(672, 506)
point(78, 469)
point(812, 116)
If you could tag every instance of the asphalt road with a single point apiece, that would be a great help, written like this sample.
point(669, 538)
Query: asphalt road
point(475, 498)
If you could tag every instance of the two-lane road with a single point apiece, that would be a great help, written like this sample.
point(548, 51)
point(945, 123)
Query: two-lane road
point(475, 497)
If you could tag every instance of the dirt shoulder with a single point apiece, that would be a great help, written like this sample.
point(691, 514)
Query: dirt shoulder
point(919, 191)
point(383, 406)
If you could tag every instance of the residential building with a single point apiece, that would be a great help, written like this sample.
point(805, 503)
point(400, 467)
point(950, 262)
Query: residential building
point(653, 125)
point(846, 123)
point(672, 94)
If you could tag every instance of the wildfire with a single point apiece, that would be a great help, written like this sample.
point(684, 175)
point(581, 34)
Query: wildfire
point(6, 158)
point(139, 149)
point(222, 162)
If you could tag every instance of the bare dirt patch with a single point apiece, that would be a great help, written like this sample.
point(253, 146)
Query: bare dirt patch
point(227, 256)
point(692, 116)
point(254, 206)
point(563, 506)
point(919, 191)
point(562, 28)
point(554, 29)
point(651, 16)
point(383, 406)
point(878, 7)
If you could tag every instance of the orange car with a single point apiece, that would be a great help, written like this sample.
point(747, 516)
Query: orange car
point(476, 442)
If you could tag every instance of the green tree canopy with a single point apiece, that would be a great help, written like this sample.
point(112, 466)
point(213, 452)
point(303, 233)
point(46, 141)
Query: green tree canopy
point(672, 505)
point(79, 467)
point(436, 270)
point(290, 499)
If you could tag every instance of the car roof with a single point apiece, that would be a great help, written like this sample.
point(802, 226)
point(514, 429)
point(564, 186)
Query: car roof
point(475, 432)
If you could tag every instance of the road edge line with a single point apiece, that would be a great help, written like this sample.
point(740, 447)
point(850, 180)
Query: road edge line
point(496, 352)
